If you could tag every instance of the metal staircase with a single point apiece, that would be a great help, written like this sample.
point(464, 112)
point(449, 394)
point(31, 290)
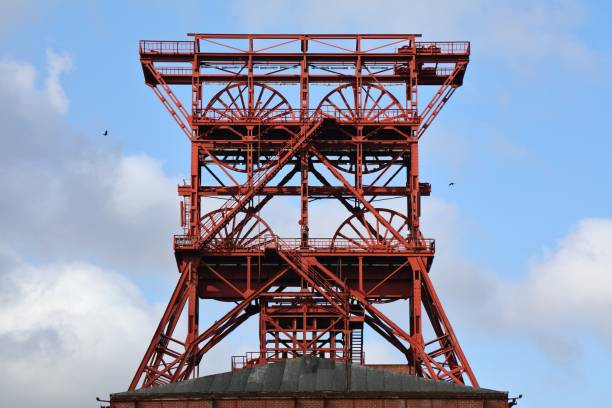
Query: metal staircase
point(332, 293)
point(357, 356)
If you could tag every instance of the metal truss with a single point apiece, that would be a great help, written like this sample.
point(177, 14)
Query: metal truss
point(261, 119)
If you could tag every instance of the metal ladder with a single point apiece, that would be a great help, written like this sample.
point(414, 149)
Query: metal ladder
point(357, 345)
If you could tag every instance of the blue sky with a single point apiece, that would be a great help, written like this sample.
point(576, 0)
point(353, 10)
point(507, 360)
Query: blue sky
point(524, 237)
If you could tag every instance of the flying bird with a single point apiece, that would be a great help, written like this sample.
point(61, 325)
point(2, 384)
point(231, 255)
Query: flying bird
point(513, 401)
point(451, 184)
point(105, 133)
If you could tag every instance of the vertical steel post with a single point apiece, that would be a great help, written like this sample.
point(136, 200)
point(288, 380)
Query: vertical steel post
point(304, 167)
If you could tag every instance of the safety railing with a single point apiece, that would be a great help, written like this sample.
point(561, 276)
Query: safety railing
point(186, 71)
point(234, 115)
point(438, 71)
point(253, 358)
point(357, 244)
point(238, 362)
point(295, 115)
point(399, 70)
point(184, 241)
point(312, 244)
point(165, 47)
point(187, 47)
point(443, 47)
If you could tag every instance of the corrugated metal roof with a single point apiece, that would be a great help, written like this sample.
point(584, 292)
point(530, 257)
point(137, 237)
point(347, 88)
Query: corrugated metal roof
point(309, 376)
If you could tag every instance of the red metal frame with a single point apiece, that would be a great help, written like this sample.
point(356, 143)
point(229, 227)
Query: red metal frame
point(359, 142)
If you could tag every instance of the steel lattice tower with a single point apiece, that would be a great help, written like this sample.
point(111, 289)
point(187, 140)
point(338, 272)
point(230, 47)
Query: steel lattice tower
point(265, 123)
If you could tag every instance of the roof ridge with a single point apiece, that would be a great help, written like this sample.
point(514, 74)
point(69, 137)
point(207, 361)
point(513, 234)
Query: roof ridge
point(309, 375)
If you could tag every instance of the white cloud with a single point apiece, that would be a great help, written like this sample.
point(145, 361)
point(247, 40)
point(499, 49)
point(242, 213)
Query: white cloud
point(19, 84)
point(567, 292)
point(69, 332)
point(57, 65)
point(141, 186)
point(73, 212)
point(560, 300)
point(70, 197)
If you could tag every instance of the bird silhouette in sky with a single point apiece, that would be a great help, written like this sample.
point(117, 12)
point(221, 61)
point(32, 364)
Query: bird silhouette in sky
point(451, 184)
point(105, 133)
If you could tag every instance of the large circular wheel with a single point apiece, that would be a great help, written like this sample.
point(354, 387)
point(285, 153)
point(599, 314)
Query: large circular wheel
point(232, 104)
point(377, 104)
point(246, 230)
point(364, 231)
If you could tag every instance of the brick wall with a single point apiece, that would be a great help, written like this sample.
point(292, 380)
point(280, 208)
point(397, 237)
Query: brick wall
point(313, 403)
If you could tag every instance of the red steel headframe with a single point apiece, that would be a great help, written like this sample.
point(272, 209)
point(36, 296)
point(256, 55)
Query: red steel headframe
point(260, 119)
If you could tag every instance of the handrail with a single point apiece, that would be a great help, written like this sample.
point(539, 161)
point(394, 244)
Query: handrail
point(443, 47)
point(293, 115)
point(253, 358)
point(312, 244)
point(165, 47)
point(188, 47)
point(328, 290)
point(187, 71)
point(399, 70)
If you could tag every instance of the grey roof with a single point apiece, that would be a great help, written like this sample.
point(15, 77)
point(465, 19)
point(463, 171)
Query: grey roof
point(310, 376)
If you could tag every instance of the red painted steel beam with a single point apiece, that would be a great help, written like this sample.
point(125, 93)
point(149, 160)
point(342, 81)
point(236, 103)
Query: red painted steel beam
point(193, 355)
point(431, 365)
point(166, 325)
point(177, 77)
point(314, 191)
point(245, 143)
point(441, 314)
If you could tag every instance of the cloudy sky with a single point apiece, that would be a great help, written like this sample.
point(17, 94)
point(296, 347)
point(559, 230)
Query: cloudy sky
point(524, 239)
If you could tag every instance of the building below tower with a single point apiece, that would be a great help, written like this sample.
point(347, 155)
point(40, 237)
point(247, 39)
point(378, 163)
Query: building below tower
point(311, 382)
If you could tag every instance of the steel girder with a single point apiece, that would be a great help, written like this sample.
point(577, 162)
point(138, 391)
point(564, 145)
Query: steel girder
point(358, 141)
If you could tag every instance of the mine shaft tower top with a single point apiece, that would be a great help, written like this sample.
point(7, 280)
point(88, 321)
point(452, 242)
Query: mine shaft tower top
point(316, 117)
point(360, 59)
